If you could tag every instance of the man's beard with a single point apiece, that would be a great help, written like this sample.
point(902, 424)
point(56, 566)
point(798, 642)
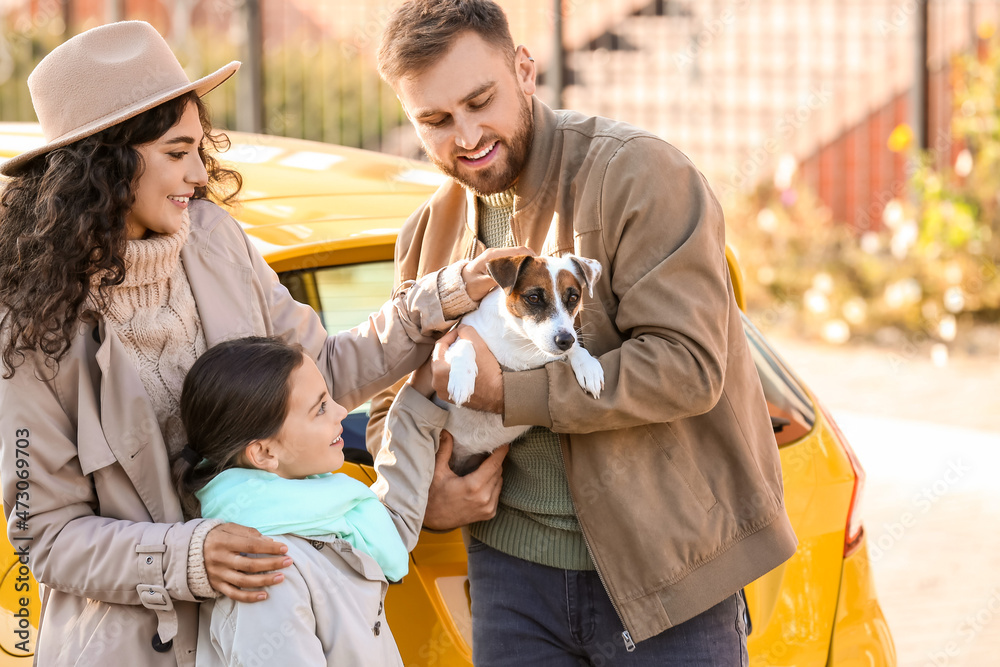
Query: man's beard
point(497, 177)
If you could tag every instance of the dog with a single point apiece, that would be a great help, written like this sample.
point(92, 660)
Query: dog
point(526, 323)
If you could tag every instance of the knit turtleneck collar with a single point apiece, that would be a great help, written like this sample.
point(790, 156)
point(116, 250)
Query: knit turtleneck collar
point(153, 260)
point(500, 200)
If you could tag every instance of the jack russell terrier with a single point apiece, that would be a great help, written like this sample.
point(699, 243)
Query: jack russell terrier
point(526, 323)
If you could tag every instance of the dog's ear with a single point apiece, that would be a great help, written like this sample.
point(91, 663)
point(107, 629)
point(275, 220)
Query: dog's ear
point(505, 270)
point(589, 269)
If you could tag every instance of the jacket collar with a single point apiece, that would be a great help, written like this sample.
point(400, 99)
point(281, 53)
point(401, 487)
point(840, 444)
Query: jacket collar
point(132, 431)
point(535, 180)
point(222, 290)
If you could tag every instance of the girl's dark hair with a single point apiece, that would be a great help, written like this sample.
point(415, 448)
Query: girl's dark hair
point(235, 393)
point(62, 220)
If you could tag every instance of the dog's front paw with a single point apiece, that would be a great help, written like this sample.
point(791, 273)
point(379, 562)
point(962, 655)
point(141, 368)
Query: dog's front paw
point(461, 385)
point(462, 377)
point(588, 370)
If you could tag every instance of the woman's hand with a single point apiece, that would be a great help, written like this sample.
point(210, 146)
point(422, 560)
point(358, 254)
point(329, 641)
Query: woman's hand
point(234, 573)
point(478, 281)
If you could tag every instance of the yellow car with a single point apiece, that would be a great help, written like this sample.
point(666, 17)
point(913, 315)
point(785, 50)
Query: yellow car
point(326, 218)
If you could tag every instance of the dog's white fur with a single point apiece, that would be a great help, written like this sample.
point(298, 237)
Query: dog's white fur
point(518, 344)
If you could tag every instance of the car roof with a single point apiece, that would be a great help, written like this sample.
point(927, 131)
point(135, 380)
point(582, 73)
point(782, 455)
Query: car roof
point(305, 200)
point(307, 204)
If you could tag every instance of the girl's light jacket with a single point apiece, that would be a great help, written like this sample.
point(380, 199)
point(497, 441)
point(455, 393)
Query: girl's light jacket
point(104, 531)
point(330, 610)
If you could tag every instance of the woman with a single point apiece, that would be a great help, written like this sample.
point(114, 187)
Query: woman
point(116, 273)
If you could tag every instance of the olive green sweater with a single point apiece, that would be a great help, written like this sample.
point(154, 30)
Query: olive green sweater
point(535, 519)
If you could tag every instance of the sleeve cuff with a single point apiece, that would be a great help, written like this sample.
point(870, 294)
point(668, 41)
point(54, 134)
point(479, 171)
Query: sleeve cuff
point(197, 575)
point(421, 407)
point(455, 300)
point(526, 398)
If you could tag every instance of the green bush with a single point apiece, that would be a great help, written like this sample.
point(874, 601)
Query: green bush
point(932, 265)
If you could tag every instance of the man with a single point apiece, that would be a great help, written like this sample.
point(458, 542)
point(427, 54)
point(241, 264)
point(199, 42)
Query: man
point(631, 534)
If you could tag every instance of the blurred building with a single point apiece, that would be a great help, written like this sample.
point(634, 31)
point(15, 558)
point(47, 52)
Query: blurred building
point(738, 85)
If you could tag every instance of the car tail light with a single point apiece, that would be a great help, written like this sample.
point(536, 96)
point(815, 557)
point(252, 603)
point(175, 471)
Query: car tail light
point(854, 531)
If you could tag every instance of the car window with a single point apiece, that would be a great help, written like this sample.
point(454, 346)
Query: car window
point(344, 296)
point(791, 410)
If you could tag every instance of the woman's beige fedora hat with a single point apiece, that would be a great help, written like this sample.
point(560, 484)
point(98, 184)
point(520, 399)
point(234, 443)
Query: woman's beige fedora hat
point(100, 78)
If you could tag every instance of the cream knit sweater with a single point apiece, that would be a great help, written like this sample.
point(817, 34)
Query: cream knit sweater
point(154, 315)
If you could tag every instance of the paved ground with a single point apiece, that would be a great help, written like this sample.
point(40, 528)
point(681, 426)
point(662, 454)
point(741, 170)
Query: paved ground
point(900, 382)
point(929, 438)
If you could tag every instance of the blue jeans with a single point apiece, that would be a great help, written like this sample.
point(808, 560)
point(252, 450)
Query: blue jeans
point(525, 614)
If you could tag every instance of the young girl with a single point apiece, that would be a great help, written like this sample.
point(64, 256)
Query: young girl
point(263, 436)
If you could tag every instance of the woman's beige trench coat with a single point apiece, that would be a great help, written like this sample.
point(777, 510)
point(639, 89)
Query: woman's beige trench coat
point(105, 534)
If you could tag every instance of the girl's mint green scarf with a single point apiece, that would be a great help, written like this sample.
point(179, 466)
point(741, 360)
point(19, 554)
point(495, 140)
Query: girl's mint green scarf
point(316, 505)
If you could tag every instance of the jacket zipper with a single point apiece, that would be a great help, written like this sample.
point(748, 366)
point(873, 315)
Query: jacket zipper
point(626, 637)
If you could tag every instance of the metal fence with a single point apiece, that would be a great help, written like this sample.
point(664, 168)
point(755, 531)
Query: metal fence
point(317, 75)
point(735, 84)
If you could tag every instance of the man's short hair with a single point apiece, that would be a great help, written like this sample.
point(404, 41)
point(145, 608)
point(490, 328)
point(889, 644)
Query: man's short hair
point(420, 32)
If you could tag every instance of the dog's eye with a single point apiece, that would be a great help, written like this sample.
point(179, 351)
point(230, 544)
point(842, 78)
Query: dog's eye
point(533, 299)
point(572, 298)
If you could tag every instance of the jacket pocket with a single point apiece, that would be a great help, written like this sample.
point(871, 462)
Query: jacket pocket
point(682, 461)
point(92, 446)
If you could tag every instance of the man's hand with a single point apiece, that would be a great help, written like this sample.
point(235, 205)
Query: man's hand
point(454, 501)
point(488, 395)
point(232, 572)
point(478, 281)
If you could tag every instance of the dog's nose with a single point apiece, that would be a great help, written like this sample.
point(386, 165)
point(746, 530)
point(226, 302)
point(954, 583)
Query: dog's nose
point(564, 340)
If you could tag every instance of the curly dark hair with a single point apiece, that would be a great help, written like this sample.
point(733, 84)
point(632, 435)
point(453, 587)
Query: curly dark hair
point(62, 220)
